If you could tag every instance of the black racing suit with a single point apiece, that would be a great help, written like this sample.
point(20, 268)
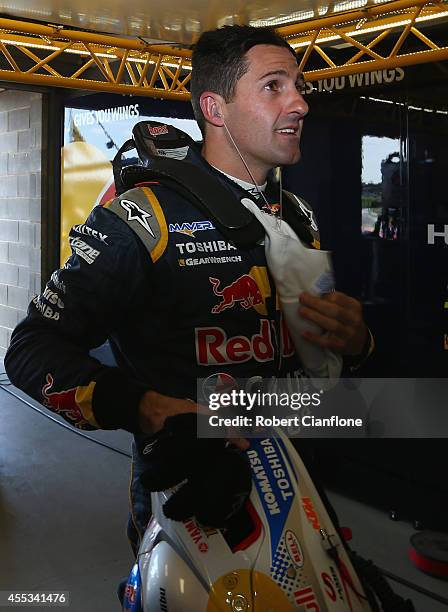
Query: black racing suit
point(176, 301)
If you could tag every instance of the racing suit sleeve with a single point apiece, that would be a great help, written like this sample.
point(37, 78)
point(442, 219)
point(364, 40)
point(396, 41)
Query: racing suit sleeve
point(48, 357)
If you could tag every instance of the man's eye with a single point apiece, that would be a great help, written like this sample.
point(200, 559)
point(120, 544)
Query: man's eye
point(301, 87)
point(272, 86)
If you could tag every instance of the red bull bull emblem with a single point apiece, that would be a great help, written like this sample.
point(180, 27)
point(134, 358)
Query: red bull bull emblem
point(271, 209)
point(63, 402)
point(244, 291)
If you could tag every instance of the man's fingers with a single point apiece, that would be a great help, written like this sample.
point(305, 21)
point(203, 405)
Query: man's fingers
point(328, 341)
point(325, 322)
point(327, 307)
point(154, 408)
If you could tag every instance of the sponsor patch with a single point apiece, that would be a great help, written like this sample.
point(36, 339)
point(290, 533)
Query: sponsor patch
point(212, 246)
point(271, 481)
point(200, 261)
point(306, 597)
point(310, 512)
point(135, 213)
point(189, 229)
point(84, 250)
point(243, 291)
point(177, 153)
point(197, 535)
point(157, 130)
point(271, 209)
point(53, 298)
point(213, 347)
point(45, 310)
point(294, 549)
point(308, 213)
point(218, 383)
point(249, 291)
point(85, 230)
point(56, 282)
point(64, 402)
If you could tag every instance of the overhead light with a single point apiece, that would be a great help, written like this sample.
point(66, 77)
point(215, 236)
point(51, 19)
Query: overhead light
point(359, 30)
point(277, 21)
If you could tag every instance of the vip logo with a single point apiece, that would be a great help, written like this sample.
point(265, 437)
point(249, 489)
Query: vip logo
point(135, 213)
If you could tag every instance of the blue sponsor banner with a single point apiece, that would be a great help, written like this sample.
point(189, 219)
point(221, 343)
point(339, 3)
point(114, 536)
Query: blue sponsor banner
point(271, 478)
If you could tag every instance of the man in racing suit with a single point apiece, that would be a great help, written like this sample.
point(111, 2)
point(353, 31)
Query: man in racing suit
point(152, 274)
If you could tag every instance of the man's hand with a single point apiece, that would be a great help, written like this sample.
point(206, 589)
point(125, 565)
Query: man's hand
point(340, 316)
point(218, 478)
point(154, 408)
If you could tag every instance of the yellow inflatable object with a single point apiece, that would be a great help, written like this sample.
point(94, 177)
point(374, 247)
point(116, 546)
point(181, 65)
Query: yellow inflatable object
point(86, 174)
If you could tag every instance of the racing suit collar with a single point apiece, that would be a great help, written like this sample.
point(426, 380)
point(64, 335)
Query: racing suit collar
point(270, 187)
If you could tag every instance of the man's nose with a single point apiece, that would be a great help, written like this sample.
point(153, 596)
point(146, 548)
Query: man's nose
point(302, 104)
point(298, 104)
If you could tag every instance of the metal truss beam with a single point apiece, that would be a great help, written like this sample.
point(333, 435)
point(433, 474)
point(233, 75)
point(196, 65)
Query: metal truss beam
point(37, 54)
point(31, 53)
point(363, 33)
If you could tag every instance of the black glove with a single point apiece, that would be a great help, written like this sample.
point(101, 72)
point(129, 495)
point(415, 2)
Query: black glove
point(219, 477)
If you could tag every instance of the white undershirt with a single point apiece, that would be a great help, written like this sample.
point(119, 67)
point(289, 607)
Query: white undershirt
point(253, 189)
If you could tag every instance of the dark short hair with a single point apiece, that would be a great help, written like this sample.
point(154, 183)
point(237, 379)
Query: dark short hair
point(219, 60)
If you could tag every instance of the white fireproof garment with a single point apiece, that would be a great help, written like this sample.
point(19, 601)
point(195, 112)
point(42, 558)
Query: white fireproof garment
point(295, 269)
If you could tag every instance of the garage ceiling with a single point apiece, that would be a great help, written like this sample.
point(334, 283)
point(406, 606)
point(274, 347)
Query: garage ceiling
point(178, 21)
point(143, 48)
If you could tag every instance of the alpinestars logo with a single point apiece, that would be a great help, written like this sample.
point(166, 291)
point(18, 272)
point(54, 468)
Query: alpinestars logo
point(135, 213)
point(309, 214)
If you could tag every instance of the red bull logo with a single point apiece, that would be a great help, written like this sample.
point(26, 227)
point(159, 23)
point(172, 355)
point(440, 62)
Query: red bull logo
point(213, 347)
point(272, 209)
point(63, 402)
point(244, 291)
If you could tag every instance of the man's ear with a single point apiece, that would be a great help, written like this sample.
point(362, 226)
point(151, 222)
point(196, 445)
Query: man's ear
point(211, 106)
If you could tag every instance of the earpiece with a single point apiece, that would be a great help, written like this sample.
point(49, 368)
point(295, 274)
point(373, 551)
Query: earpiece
point(216, 114)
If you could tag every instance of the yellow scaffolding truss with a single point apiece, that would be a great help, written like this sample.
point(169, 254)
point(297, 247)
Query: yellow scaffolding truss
point(49, 55)
point(362, 31)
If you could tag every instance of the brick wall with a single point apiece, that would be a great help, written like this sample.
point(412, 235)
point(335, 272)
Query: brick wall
point(20, 206)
